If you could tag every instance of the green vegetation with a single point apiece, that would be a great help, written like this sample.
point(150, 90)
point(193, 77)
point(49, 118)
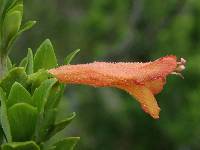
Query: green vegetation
point(29, 95)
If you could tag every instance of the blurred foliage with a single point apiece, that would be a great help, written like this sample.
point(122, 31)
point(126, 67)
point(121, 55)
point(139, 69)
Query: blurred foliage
point(128, 30)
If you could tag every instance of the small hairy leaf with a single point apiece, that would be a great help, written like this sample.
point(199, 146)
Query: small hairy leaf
point(18, 94)
point(45, 57)
point(23, 28)
point(46, 123)
point(12, 3)
point(22, 119)
point(62, 124)
point(18, 7)
point(8, 64)
point(54, 96)
point(16, 74)
point(29, 67)
point(28, 25)
point(29, 145)
point(11, 24)
point(40, 97)
point(66, 144)
point(4, 117)
point(23, 62)
point(42, 92)
point(70, 56)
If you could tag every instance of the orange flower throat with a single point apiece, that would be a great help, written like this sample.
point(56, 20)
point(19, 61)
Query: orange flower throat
point(141, 80)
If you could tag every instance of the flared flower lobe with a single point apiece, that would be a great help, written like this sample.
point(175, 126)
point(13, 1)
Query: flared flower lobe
point(141, 80)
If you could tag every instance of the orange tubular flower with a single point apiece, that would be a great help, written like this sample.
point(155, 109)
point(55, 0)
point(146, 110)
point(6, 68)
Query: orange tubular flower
point(141, 80)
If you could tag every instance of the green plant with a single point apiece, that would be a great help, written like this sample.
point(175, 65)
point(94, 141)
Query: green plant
point(29, 95)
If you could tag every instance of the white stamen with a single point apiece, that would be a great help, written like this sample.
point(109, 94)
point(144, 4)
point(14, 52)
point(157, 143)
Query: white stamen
point(180, 67)
point(183, 61)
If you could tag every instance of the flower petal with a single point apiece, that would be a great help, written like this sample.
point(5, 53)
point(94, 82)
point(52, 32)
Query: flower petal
point(146, 99)
point(156, 86)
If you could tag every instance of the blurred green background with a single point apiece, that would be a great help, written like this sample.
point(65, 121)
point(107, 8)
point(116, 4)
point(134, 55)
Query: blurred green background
point(124, 30)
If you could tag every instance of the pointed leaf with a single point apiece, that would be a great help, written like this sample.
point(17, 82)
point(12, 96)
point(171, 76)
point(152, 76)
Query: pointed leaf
point(66, 144)
point(23, 62)
point(12, 3)
point(4, 117)
point(11, 24)
point(24, 28)
point(16, 74)
point(54, 97)
point(10, 27)
point(45, 57)
point(6, 6)
point(29, 67)
point(41, 94)
point(62, 124)
point(17, 7)
point(18, 94)
point(28, 25)
point(46, 124)
point(69, 57)
point(22, 119)
point(8, 64)
point(59, 95)
point(29, 145)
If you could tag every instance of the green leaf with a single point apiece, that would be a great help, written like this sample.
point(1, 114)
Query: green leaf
point(37, 78)
point(18, 7)
point(55, 96)
point(11, 25)
point(23, 28)
point(29, 145)
point(45, 57)
point(42, 92)
point(66, 144)
point(29, 67)
point(45, 124)
point(12, 3)
point(22, 119)
point(1, 136)
point(61, 125)
point(40, 97)
point(9, 5)
point(28, 25)
point(69, 57)
point(16, 74)
point(59, 95)
point(18, 94)
point(23, 62)
point(9, 65)
point(4, 117)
